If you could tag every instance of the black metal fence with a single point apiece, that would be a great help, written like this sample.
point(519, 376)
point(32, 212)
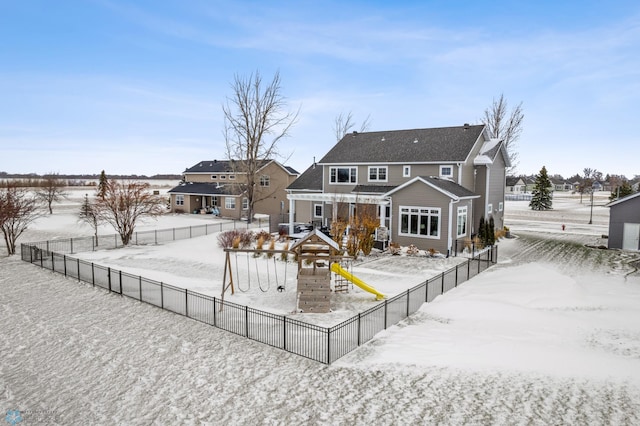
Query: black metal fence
point(105, 242)
point(311, 341)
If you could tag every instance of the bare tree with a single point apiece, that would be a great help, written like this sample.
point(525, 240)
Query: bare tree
point(505, 126)
point(51, 190)
point(124, 204)
point(89, 214)
point(18, 209)
point(255, 120)
point(344, 123)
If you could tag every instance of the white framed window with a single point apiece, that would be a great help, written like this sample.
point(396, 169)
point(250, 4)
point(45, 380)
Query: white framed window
point(406, 171)
point(230, 203)
point(377, 174)
point(420, 221)
point(462, 222)
point(344, 175)
point(446, 171)
point(489, 209)
point(222, 177)
point(232, 177)
point(214, 201)
point(265, 180)
point(500, 206)
point(179, 200)
point(245, 203)
point(317, 210)
point(214, 177)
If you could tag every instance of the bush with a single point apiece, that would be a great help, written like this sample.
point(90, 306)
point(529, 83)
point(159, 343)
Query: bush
point(243, 238)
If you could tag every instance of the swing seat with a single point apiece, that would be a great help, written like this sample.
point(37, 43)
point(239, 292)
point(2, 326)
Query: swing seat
point(280, 288)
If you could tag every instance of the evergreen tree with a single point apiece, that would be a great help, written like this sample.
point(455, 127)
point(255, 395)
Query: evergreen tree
point(621, 191)
point(102, 185)
point(491, 232)
point(541, 194)
point(89, 215)
point(482, 231)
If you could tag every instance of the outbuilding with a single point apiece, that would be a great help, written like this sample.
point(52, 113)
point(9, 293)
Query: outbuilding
point(624, 223)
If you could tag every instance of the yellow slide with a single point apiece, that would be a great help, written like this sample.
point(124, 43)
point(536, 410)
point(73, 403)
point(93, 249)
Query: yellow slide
point(335, 267)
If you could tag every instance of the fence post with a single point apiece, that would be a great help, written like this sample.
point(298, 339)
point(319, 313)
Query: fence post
point(426, 295)
point(155, 236)
point(468, 269)
point(190, 232)
point(407, 302)
point(246, 321)
point(174, 234)
point(359, 317)
point(109, 277)
point(93, 275)
point(214, 312)
point(120, 280)
point(284, 333)
point(456, 283)
point(53, 266)
point(161, 295)
point(41, 259)
point(64, 263)
point(328, 338)
point(479, 262)
point(385, 314)
point(140, 284)
point(186, 302)
point(71, 246)
point(79, 279)
point(442, 292)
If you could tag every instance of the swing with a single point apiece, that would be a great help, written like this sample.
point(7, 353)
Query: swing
point(264, 290)
point(281, 287)
point(248, 276)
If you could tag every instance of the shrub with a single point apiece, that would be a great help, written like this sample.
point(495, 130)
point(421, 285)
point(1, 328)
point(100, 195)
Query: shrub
point(235, 238)
point(394, 248)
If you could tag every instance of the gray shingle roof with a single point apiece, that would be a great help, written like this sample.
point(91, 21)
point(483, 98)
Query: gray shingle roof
point(373, 189)
point(450, 187)
point(310, 180)
point(198, 188)
point(224, 166)
point(404, 146)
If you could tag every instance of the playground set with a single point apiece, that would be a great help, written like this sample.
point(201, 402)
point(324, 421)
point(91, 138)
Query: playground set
point(317, 257)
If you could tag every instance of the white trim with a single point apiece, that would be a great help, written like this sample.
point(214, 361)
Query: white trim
point(377, 179)
point(450, 166)
point(344, 183)
point(420, 214)
point(466, 220)
point(331, 197)
point(315, 206)
point(406, 170)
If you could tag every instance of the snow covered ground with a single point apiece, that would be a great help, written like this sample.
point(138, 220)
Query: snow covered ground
point(550, 335)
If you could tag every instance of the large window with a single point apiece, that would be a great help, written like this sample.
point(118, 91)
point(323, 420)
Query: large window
point(462, 221)
point(377, 174)
point(420, 221)
point(230, 203)
point(343, 175)
point(265, 180)
point(179, 200)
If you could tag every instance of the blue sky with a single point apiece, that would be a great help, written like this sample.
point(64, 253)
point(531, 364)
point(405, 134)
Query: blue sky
point(138, 87)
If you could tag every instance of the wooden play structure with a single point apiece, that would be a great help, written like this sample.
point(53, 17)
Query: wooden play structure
point(315, 253)
point(318, 256)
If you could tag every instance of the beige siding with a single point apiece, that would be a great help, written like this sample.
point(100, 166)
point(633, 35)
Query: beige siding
point(421, 195)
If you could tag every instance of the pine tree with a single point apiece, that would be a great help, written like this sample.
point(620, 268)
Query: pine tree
point(621, 191)
point(541, 194)
point(89, 215)
point(482, 231)
point(491, 232)
point(102, 185)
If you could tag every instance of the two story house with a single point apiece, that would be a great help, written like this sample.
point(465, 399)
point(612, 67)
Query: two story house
point(215, 187)
point(427, 187)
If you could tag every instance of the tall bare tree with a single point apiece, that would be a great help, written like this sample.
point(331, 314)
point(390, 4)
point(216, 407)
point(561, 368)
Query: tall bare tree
point(124, 203)
point(51, 190)
point(256, 119)
point(18, 209)
point(506, 126)
point(343, 124)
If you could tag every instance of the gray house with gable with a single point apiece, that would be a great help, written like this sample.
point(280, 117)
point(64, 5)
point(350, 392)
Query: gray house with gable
point(427, 187)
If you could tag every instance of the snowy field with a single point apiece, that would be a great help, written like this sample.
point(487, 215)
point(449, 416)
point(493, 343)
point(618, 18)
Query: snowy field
point(550, 335)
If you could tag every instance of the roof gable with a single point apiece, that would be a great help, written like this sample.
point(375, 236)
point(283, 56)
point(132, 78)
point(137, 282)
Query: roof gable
point(446, 187)
point(623, 200)
point(443, 144)
point(226, 166)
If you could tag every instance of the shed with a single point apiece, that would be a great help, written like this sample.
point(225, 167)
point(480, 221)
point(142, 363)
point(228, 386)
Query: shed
point(624, 223)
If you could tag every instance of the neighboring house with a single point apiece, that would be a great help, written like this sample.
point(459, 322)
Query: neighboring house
point(427, 187)
point(213, 187)
point(515, 185)
point(561, 185)
point(624, 223)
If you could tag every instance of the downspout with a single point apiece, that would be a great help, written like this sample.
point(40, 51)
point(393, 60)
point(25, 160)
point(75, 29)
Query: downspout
point(486, 191)
point(292, 207)
point(449, 233)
